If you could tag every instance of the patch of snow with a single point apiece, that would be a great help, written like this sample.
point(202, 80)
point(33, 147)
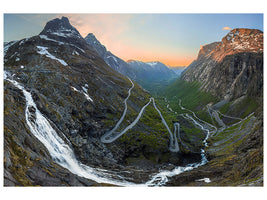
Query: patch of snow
point(113, 58)
point(84, 89)
point(63, 32)
point(43, 51)
point(84, 92)
point(21, 42)
point(49, 39)
point(88, 97)
point(231, 34)
point(75, 53)
point(77, 48)
point(152, 64)
point(17, 59)
point(6, 47)
point(206, 180)
point(74, 89)
point(24, 40)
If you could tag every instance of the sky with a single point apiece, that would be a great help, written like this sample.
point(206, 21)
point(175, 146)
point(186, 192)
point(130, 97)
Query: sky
point(173, 39)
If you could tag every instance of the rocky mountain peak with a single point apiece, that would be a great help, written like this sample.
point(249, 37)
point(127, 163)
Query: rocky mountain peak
point(206, 49)
point(60, 27)
point(238, 40)
point(93, 41)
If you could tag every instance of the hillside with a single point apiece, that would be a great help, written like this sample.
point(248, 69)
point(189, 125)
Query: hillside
point(224, 86)
point(60, 98)
point(75, 114)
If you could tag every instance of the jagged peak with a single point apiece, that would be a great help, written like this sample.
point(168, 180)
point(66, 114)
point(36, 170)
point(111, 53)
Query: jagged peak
point(94, 42)
point(91, 35)
point(60, 27)
point(206, 49)
point(91, 39)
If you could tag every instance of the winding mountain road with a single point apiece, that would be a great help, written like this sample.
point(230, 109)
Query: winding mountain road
point(108, 134)
point(111, 135)
point(62, 154)
point(210, 125)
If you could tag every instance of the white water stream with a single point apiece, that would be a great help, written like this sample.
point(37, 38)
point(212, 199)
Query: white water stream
point(62, 154)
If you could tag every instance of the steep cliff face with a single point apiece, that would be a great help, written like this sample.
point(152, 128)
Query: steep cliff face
point(231, 68)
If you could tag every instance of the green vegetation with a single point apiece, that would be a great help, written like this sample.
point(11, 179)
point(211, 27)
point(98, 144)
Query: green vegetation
point(230, 138)
point(149, 132)
point(190, 94)
point(241, 108)
point(155, 87)
point(20, 158)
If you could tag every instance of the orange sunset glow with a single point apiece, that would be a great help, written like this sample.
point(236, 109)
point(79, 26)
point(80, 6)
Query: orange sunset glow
point(173, 39)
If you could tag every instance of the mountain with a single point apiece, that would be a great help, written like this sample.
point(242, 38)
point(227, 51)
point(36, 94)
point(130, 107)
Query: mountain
point(113, 61)
point(178, 70)
point(60, 99)
point(152, 70)
point(150, 75)
point(237, 59)
point(224, 87)
point(153, 76)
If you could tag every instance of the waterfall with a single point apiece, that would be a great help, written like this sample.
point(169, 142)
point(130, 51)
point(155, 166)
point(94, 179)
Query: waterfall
point(62, 154)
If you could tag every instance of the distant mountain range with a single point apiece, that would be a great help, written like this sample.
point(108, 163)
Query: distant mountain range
point(178, 70)
point(150, 75)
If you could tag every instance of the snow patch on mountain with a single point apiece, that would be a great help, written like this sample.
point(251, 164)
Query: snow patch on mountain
point(43, 51)
point(8, 45)
point(49, 39)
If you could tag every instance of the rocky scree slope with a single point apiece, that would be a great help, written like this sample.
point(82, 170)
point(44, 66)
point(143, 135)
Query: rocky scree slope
point(80, 95)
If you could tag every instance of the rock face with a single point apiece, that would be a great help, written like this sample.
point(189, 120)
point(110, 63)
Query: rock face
point(231, 68)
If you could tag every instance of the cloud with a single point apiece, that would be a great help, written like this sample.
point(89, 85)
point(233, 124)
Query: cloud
point(227, 28)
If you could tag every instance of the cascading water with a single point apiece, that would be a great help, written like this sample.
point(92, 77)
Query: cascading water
point(58, 149)
point(162, 177)
point(64, 155)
